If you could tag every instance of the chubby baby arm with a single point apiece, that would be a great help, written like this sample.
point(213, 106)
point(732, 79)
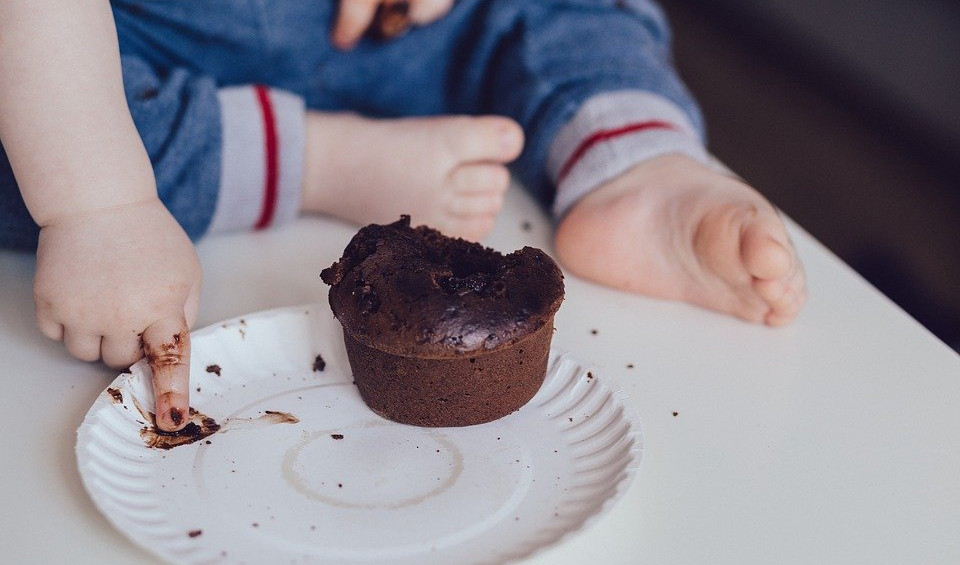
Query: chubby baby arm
point(112, 264)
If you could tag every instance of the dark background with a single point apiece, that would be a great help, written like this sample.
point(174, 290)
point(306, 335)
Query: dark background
point(846, 115)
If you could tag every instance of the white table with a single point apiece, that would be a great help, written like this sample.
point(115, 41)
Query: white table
point(834, 440)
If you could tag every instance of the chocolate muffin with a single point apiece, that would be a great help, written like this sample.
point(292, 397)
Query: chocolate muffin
point(442, 331)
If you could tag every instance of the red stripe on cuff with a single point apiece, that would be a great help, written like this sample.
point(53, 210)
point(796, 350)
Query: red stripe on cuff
point(606, 135)
point(272, 158)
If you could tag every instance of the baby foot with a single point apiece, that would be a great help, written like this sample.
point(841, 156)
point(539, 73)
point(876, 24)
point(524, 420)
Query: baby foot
point(676, 229)
point(446, 172)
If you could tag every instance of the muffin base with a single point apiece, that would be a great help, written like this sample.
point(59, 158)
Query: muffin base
point(454, 391)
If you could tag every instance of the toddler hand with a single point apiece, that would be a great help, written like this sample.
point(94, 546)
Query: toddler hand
point(356, 16)
point(108, 278)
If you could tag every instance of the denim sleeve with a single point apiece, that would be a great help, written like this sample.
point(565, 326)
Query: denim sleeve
point(178, 117)
point(556, 54)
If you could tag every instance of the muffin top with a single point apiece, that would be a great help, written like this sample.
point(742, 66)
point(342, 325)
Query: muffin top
point(415, 292)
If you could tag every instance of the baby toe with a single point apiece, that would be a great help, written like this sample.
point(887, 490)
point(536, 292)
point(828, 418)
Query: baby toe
point(483, 179)
point(474, 228)
point(785, 307)
point(484, 139)
point(785, 310)
point(766, 255)
point(770, 290)
point(476, 205)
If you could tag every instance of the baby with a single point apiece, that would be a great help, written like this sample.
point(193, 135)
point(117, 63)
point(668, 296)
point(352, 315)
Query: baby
point(131, 127)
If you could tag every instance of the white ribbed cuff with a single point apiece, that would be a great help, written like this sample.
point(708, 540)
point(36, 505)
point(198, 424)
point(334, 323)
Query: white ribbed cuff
point(261, 162)
point(609, 134)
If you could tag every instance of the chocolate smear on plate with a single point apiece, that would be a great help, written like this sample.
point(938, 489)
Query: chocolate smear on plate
point(116, 395)
point(200, 426)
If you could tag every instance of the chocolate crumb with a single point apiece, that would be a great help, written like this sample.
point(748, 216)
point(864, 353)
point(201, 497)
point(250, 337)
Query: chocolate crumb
point(319, 364)
point(589, 375)
point(116, 394)
point(571, 419)
point(194, 533)
point(675, 414)
point(215, 369)
point(336, 436)
point(594, 331)
point(629, 365)
point(255, 525)
point(339, 485)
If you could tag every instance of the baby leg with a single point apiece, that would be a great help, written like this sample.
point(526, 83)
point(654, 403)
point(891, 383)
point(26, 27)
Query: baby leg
point(638, 205)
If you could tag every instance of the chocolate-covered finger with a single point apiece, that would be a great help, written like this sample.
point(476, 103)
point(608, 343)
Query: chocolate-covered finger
point(166, 345)
point(354, 17)
point(392, 19)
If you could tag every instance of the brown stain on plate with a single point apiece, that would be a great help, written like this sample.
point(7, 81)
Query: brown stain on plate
point(274, 417)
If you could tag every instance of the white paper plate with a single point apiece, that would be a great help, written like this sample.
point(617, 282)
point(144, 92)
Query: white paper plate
point(341, 484)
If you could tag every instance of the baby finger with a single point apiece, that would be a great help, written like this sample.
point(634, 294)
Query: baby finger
point(83, 346)
point(423, 12)
point(49, 327)
point(121, 351)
